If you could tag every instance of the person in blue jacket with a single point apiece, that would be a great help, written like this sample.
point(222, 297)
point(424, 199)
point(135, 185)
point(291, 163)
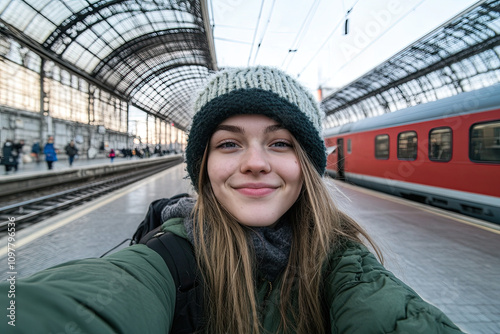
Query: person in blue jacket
point(274, 253)
point(50, 152)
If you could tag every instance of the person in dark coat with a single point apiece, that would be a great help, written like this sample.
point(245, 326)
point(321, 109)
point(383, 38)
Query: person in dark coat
point(18, 147)
point(50, 152)
point(9, 156)
point(35, 151)
point(71, 151)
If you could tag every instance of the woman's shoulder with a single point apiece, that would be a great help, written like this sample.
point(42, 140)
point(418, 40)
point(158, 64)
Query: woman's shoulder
point(129, 260)
point(353, 265)
point(176, 226)
point(346, 249)
point(137, 265)
point(357, 283)
point(129, 291)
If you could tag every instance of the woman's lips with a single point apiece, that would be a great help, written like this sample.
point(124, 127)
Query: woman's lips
point(255, 190)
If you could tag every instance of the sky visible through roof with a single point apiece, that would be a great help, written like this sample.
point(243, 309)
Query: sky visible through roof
point(307, 37)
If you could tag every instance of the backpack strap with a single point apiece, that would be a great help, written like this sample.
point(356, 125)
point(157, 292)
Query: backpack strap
point(153, 217)
point(178, 254)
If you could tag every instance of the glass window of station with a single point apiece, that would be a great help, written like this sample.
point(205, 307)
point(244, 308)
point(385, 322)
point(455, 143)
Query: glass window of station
point(440, 144)
point(484, 143)
point(382, 147)
point(407, 145)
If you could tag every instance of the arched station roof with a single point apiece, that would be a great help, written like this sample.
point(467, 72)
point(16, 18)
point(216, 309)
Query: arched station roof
point(153, 53)
point(461, 55)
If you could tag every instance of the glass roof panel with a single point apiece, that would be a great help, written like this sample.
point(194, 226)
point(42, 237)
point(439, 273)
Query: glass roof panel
point(40, 4)
point(3, 5)
point(73, 52)
point(84, 59)
point(11, 14)
point(39, 28)
point(101, 50)
point(158, 17)
point(153, 53)
point(90, 40)
point(109, 35)
point(185, 17)
point(77, 5)
point(494, 25)
point(56, 11)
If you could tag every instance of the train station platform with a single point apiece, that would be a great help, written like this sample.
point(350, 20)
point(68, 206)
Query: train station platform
point(451, 260)
point(63, 164)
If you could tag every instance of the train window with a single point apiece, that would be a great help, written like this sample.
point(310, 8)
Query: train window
point(407, 145)
point(349, 146)
point(440, 144)
point(382, 147)
point(484, 143)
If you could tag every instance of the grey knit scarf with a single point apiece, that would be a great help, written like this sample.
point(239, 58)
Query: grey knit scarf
point(271, 244)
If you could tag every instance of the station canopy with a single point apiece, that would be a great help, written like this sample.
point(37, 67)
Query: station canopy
point(461, 55)
point(152, 53)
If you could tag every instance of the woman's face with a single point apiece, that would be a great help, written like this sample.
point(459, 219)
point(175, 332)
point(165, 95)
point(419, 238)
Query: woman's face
point(253, 169)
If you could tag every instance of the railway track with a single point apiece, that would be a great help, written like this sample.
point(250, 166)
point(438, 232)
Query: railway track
point(37, 209)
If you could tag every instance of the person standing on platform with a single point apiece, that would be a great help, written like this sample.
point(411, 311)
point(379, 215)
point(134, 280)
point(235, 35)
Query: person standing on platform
point(50, 153)
point(9, 156)
point(35, 151)
point(273, 252)
point(18, 147)
point(71, 151)
point(112, 155)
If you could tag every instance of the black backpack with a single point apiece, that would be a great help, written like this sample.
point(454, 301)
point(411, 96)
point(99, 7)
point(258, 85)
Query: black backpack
point(178, 254)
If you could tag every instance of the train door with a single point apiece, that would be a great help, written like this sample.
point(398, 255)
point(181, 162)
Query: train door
point(340, 159)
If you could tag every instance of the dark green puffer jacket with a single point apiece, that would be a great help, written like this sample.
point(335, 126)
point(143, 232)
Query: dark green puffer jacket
point(132, 291)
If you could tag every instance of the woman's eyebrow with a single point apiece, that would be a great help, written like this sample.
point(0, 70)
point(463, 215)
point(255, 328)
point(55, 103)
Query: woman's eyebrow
point(272, 128)
point(230, 128)
point(238, 129)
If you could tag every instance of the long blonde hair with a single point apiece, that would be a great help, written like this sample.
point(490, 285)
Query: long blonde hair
point(227, 265)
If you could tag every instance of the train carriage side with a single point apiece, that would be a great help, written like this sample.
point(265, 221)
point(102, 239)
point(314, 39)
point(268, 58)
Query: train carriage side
point(444, 153)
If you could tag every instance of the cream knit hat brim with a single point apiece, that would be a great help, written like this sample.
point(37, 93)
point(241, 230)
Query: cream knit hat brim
point(265, 78)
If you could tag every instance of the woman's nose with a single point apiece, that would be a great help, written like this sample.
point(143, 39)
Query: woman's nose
point(255, 160)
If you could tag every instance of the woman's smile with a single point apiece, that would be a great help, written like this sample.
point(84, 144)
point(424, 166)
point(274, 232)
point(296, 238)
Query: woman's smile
point(255, 189)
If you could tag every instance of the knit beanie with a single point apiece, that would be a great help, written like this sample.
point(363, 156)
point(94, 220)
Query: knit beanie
point(255, 90)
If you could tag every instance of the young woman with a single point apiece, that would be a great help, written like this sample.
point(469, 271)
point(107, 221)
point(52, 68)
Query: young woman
point(274, 253)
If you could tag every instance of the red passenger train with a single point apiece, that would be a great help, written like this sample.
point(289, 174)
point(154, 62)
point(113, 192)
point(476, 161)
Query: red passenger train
point(444, 153)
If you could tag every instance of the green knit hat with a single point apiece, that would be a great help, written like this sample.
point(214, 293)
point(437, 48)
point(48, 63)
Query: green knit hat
point(255, 90)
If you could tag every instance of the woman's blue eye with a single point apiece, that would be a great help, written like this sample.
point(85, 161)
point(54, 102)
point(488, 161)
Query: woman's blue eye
point(281, 144)
point(227, 145)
